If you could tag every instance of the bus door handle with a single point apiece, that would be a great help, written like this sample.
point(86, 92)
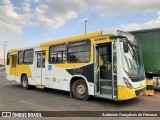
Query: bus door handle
point(97, 70)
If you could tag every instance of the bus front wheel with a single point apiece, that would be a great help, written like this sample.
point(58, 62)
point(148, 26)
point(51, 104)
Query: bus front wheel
point(80, 90)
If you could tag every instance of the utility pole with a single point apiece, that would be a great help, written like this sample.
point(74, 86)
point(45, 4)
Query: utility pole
point(85, 21)
point(5, 53)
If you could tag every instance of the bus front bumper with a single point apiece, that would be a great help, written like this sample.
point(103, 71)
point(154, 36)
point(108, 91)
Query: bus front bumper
point(125, 93)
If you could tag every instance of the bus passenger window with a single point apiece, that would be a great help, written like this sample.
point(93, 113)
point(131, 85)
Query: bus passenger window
point(8, 58)
point(14, 58)
point(20, 57)
point(79, 51)
point(57, 54)
point(28, 56)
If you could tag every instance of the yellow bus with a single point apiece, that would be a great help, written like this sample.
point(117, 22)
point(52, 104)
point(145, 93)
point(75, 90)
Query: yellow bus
point(105, 64)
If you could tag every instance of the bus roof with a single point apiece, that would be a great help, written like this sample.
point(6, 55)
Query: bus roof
point(80, 37)
point(69, 39)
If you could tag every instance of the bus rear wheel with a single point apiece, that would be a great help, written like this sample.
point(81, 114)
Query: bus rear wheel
point(80, 90)
point(25, 82)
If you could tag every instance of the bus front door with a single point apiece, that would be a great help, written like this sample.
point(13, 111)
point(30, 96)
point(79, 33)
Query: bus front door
point(40, 69)
point(104, 83)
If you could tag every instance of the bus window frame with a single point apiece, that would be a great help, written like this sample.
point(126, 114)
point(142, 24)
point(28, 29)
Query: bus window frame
point(26, 63)
point(77, 52)
point(8, 59)
point(22, 57)
point(49, 61)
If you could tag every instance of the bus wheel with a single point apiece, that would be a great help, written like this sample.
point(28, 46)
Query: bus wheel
point(80, 90)
point(25, 82)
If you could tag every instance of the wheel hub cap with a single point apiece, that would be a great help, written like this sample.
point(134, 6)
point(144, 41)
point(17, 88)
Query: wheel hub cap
point(81, 89)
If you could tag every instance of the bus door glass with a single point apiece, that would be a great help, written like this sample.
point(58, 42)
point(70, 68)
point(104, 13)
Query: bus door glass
point(40, 68)
point(96, 70)
point(114, 68)
point(103, 69)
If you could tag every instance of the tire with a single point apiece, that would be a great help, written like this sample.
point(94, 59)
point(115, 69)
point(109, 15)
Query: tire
point(80, 90)
point(25, 82)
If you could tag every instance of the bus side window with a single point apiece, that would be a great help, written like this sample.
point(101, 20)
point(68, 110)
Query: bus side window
point(28, 56)
point(79, 51)
point(8, 58)
point(57, 53)
point(14, 61)
point(20, 57)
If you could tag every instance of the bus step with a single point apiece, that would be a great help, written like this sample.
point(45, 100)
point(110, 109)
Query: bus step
point(104, 96)
point(107, 82)
point(107, 90)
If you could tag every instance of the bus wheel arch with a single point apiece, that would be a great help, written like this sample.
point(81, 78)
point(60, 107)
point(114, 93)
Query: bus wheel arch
point(77, 83)
point(24, 81)
point(22, 76)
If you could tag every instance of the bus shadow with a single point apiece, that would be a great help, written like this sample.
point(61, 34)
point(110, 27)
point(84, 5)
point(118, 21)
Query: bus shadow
point(45, 90)
point(94, 100)
point(55, 91)
point(113, 102)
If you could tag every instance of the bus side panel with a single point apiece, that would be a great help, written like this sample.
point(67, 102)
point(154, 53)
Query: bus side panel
point(87, 71)
point(57, 78)
point(60, 78)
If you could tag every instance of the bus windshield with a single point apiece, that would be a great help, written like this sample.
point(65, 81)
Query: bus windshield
point(131, 57)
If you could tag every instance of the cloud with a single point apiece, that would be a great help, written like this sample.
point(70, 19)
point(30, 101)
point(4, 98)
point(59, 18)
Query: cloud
point(147, 25)
point(102, 7)
point(57, 22)
point(9, 14)
point(26, 5)
point(5, 27)
point(10, 20)
point(114, 7)
point(52, 16)
point(54, 13)
point(36, 1)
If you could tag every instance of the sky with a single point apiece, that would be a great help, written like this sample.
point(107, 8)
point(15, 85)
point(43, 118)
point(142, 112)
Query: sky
point(30, 22)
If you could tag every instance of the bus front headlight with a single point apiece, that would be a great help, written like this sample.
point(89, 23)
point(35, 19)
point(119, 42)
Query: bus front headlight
point(127, 83)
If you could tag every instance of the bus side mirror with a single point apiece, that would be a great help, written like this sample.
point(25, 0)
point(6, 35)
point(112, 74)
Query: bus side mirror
point(125, 47)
